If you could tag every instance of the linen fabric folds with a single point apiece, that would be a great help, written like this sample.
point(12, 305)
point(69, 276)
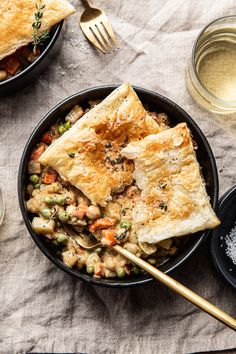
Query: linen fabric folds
point(45, 310)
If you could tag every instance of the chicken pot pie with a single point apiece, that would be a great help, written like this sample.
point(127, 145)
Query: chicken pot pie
point(16, 31)
point(95, 142)
point(174, 198)
point(17, 17)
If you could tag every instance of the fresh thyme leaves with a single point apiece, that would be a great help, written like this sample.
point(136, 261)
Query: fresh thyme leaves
point(38, 39)
point(71, 154)
point(38, 15)
point(113, 162)
point(108, 144)
point(91, 235)
point(123, 211)
point(120, 159)
point(163, 206)
point(122, 236)
point(54, 211)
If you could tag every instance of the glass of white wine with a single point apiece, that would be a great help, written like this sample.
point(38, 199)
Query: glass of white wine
point(211, 72)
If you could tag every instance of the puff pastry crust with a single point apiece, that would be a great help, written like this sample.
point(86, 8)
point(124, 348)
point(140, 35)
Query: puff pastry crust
point(174, 198)
point(97, 168)
point(17, 16)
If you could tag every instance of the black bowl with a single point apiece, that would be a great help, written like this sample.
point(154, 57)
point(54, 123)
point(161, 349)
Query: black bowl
point(157, 103)
point(31, 72)
point(227, 215)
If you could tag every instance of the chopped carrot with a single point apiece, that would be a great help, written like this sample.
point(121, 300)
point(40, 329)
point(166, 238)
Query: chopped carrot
point(100, 224)
point(80, 211)
point(108, 237)
point(49, 177)
point(24, 51)
point(35, 155)
point(47, 138)
point(99, 270)
point(11, 65)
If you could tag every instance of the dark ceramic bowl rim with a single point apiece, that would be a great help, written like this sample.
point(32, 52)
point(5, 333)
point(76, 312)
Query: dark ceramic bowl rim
point(227, 195)
point(28, 69)
point(60, 264)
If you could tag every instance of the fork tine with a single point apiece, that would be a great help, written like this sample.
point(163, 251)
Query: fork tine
point(104, 35)
point(91, 37)
point(109, 30)
point(97, 34)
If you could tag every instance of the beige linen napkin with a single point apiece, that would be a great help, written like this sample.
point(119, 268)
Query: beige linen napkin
point(43, 309)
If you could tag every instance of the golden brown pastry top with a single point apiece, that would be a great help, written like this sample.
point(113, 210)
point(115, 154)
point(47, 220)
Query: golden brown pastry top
point(17, 16)
point(97, 138)
point(174, 199)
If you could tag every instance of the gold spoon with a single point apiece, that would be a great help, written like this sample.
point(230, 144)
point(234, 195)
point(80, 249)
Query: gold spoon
point(164, 279)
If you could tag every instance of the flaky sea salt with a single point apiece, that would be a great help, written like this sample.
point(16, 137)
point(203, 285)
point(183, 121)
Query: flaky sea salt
point(230, 241)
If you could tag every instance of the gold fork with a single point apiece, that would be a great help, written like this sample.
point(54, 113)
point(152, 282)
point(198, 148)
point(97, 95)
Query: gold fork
point(97, 28)
point(162, 277)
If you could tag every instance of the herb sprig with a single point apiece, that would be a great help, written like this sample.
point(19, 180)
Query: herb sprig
point(122, 236)
point(38, 39)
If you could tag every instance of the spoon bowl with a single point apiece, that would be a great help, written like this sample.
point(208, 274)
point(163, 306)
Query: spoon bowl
point(163, 278)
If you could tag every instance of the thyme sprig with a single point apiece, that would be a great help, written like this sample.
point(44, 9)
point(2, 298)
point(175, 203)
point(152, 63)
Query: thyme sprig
point(122, 236)
point(37, 38)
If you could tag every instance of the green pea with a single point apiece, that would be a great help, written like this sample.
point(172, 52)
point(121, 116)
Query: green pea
point(59, 199)
point(62, 129)
point(63, 216)
point(90, 269)
point(152, 261)
point(121, 273)
point(37, 186)
point(62, 238)
point(125, 224)
point(34, 179)
point(135, 270)
point(67, 125)
point(48, 200)
point(46, 213)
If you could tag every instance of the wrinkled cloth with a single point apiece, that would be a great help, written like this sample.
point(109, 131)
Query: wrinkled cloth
point(42, 309)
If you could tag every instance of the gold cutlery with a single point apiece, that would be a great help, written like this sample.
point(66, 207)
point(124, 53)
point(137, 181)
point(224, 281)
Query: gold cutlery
point(163, 278)
point(97, 28)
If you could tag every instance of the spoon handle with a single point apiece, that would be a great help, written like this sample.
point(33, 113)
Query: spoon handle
point(179, 288)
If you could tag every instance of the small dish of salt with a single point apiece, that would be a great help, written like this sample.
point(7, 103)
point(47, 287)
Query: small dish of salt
point(223, 239)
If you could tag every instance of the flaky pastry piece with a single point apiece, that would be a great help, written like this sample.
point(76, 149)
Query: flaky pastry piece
point(17, 17)
point(174, 198)
point(97, 167)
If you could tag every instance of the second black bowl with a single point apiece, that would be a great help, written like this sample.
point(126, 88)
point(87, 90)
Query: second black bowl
point(157, 103)
point(227, 213)
point(32, 72)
